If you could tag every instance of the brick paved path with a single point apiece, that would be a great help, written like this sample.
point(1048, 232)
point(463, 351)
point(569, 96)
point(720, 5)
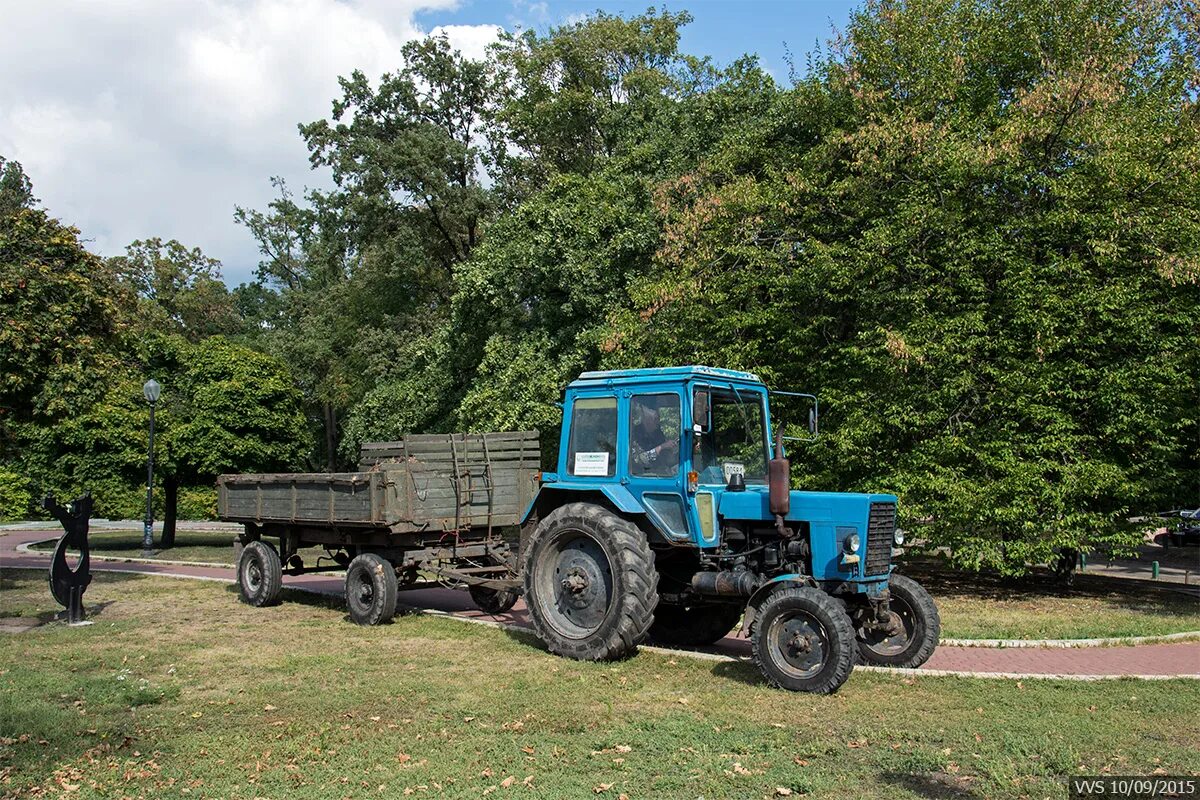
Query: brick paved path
point(1152, 659)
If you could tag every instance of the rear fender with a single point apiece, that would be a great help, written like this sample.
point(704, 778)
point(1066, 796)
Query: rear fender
point(551, 496)
point(614, 497)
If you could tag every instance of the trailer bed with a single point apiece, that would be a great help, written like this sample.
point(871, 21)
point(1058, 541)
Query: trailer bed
point(422, 483)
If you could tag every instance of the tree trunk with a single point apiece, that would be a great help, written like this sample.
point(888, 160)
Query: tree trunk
point(171, 498)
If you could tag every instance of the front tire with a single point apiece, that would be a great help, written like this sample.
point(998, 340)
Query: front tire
point(802, 640)
point(260, 575)
point(920, 628)
point(371, 589)
point(590, 583)
point(693, 626)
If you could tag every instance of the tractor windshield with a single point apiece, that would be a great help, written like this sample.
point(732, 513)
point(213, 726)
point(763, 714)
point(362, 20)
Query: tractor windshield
point(735, 440)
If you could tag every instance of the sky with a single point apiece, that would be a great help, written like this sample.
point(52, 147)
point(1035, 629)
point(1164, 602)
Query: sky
point(142, 118)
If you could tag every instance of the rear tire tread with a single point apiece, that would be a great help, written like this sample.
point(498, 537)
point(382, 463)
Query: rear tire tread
point(635, 592)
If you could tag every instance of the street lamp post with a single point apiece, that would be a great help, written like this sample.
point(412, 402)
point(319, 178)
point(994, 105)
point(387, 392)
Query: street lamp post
point(152, 389)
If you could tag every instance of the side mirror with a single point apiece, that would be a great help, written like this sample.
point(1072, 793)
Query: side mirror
point(813, 419)
point(700, 411)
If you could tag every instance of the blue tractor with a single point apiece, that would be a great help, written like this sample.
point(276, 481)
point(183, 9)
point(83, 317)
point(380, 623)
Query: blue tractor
point(670, 518)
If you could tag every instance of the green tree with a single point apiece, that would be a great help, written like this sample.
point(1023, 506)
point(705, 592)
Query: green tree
point(232, 409)
point(974, 231)
point(60, 319)
point(374, 260)
point(407, 153)
point(16, 190)
point(585, 92)
point(177, 290)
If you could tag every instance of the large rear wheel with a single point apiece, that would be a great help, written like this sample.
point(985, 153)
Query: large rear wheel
point(693, 626)
point(911, 635)
point(802, 640)
point(590, 583)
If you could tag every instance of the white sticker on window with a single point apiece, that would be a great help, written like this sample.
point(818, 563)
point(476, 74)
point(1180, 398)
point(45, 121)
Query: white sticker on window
point(731, 468)
point(591, 464)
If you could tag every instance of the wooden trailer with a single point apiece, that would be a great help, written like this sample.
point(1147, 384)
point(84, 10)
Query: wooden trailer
point(431, 506)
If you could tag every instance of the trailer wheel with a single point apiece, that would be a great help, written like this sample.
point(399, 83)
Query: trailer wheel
point(802, 640)
point(590, 583)
point(371, 588)
point(690, 626)
point(493, 601)
point(260, 574)
point(916, 629)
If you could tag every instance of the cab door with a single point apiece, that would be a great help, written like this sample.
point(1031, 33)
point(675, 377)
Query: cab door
point(656, 457)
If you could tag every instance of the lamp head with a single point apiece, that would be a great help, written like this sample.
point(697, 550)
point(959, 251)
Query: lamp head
point(152, 389)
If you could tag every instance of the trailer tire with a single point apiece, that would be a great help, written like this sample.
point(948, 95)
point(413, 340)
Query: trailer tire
point(802, 640)
point(693, 626)
point(922, 628)
point(493, 601)
point(259, 574)
point(590, 583)
point(371, 589)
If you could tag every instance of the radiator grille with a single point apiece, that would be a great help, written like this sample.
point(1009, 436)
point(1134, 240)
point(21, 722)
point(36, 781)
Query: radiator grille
point(881, 527)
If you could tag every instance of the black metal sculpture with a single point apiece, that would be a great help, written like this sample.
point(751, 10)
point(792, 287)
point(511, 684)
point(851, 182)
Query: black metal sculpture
point(66, 585)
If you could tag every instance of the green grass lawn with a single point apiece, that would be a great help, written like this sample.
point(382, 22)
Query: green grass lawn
point(986, 607)
point(179, 690)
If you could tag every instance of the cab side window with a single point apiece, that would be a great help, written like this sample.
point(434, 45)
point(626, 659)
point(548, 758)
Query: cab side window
point(592, 451)
point(654, 433)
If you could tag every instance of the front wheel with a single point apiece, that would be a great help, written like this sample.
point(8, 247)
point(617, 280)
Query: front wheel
point(590, 583)
point(371, 589)
point(802, 640)
point(913, 630)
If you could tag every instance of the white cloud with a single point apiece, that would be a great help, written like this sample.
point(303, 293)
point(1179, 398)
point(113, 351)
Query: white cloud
point(139, 118)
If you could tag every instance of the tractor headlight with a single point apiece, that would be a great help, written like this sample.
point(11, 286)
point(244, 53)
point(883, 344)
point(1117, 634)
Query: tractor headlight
point(851, 543)
point(898, 537)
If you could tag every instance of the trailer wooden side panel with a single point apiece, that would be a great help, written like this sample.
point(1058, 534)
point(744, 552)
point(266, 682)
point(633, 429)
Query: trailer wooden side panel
point(439, 482)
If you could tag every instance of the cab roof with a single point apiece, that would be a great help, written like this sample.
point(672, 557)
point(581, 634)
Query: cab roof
point(591, 380)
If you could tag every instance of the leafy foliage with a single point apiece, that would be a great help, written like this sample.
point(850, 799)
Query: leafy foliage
point(234, 410)
point(979, 246)
point(15, 499)
point(177, 289)
point(59, 317)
